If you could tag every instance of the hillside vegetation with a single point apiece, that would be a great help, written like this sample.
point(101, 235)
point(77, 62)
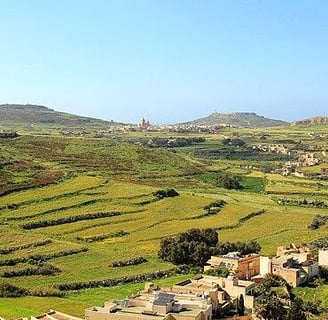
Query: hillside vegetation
point(29, 114)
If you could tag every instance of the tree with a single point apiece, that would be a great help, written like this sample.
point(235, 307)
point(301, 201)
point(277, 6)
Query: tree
point(236, 142)
point(297, 311)
point(240, 305)
point(273, 297)
point(274, 300)
point(242, 247)
point(270, 307)
point(272, 281)
point(228, 181)
point(193, 247)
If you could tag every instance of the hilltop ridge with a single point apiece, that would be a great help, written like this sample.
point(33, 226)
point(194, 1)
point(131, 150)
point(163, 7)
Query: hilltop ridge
point(38, 114)
point(240, 119)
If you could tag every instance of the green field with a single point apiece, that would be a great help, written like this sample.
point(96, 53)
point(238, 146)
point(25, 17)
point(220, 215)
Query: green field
point(104, 176)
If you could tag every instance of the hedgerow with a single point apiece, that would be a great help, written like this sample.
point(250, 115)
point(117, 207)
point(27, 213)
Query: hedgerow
point(74, 206)
point(130, 262)
point(302, 202)
point(65, 220)
point(124, 280)
point(24, 246)
point(103, 236)
point(10, 291)
point(37, 258)
point(43, 269)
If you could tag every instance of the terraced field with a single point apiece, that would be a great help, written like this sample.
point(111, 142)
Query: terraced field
point(70, 207)
point(85, 223)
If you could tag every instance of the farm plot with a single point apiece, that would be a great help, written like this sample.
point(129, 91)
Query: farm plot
point(67, 188)
point(281, 185)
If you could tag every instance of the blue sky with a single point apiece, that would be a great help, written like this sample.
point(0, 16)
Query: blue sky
point(168, 60)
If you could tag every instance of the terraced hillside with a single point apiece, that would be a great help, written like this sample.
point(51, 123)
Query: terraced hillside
point(91, 231)
point(82, 225)
point(29, 160)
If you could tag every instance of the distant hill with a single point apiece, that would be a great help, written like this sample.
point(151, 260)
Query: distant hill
point(34, 114)
point(313, 121)
point(240, 119)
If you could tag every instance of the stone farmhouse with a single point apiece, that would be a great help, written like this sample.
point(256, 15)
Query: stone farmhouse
point(222, 291)
point(275, 148)
point(295, 264)
point(244, 267)
point(308, 160)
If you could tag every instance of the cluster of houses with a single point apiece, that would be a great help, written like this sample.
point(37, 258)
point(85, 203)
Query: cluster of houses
point(204, 297)
point(297, 265)
point(305, 160)
point(144, 125)
point(275, 148)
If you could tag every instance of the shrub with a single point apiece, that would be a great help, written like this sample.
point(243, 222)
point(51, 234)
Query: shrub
point(228, 181)
point(161, 194)
point(215, 207)
point(302, 202)
point(10, 291)
point(321, 243)
point(236, 142)
point(317, 222)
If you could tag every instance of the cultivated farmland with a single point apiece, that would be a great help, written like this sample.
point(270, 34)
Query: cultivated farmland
point(103, 208)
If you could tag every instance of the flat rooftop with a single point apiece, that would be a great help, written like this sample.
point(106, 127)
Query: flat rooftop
point(55, 315)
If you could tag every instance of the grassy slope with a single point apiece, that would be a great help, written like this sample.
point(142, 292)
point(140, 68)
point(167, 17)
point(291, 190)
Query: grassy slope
point(113, 158)
point(35, 115)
